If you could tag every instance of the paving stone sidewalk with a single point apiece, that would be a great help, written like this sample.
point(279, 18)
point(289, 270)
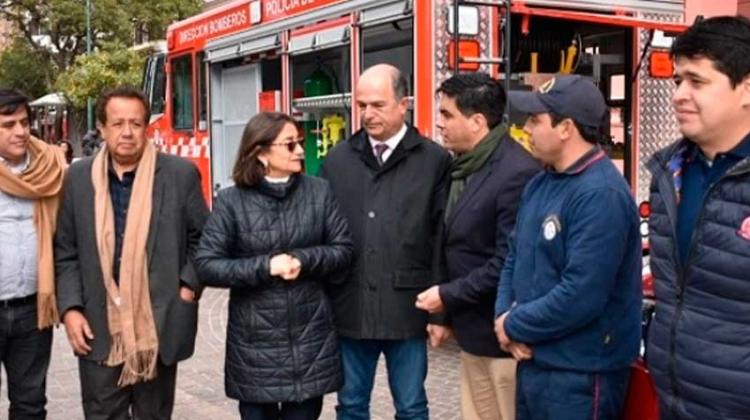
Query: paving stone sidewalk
point(200, 380)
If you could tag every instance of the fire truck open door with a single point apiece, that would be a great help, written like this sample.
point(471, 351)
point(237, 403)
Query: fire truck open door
point(233, 102)
point(237, 76)
point(612, 45)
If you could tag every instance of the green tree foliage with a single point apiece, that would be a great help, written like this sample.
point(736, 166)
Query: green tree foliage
point(23, 68)
point(56, 29)
point(112, 65)
point(153, 16)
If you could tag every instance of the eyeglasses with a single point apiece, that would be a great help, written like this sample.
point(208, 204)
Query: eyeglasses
point(291, 145)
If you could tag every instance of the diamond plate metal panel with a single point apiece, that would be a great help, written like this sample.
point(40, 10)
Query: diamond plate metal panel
point(657, 126)
point(443, 38)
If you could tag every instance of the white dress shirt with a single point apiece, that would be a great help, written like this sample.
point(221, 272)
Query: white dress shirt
point(391, 142)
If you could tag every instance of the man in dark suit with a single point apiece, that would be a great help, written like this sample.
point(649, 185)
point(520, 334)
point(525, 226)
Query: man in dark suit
point(128, 226)
point(391, 184)
point(487, 177)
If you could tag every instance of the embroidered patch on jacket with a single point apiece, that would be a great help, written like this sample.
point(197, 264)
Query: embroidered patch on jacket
point(744, 231)
point(551, 227)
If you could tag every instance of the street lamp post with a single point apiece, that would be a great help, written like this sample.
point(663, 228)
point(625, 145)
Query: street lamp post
point(89, 105)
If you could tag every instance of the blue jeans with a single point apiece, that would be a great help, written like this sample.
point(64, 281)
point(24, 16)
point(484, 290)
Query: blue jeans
point(552, 394)
point(406, 362)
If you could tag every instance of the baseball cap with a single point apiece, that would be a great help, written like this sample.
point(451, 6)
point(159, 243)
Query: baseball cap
point(571, 96)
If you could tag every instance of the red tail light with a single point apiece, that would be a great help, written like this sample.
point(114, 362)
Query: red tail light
point(644, 209)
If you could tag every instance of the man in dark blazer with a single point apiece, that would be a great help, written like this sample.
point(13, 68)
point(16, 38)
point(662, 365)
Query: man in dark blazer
point(130, 364)
point(488, 175)
point(391, 184)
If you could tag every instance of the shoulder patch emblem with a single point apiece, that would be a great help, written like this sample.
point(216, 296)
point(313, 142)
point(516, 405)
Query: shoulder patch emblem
point(744, 231)
point(551, 227)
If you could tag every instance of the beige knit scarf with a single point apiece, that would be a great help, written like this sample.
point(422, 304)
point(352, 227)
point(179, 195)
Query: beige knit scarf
point(134, 341)
point(41, 182)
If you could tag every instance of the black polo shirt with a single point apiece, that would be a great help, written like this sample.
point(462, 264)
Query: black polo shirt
point(119, 191)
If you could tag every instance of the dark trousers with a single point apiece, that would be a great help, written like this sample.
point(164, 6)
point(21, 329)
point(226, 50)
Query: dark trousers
point(552, 394)
point(25, 353)
point(406, 363)
point(305, 410)
point(104, 400)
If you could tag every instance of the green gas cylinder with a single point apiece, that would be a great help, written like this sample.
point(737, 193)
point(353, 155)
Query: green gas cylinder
point(318, 83)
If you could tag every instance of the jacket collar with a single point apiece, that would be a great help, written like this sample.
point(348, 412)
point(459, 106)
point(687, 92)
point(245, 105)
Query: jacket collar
point(111, 167)
point(280, 190)
point(660, 161)
point(742, 150)
point(392, 142)
point(478, 179)
point(584, 162)
point(361, 144)
point(668, 158)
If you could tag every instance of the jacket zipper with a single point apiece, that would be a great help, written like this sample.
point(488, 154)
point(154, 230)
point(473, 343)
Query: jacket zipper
point(290, 316)
point(680, 283)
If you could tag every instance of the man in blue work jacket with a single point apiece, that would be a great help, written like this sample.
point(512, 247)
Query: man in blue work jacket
point(569, 296)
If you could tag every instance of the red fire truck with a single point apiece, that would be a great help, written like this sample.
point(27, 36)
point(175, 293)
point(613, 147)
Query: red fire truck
point(303, 57)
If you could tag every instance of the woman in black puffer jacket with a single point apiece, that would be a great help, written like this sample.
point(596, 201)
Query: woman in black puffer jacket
point(275, 239)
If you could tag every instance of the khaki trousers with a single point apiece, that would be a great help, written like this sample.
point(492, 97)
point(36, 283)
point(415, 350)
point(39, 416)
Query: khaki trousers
point(488, 388)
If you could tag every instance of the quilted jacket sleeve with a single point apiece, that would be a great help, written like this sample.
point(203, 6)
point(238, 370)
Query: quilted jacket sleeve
point(335, 254)
point(214, 260)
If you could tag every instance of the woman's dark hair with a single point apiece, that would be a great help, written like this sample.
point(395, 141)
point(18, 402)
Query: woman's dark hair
point(68, 151)
point(259, 133)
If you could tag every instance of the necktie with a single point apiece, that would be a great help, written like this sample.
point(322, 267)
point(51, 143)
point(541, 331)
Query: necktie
point(380, 148)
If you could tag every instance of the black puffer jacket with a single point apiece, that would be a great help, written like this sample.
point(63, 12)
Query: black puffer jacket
point(281, 341)
point(699, 341)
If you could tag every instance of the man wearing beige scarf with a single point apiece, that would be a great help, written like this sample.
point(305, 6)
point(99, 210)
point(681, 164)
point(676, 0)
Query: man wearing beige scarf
point(31, 175)
point(129, 222)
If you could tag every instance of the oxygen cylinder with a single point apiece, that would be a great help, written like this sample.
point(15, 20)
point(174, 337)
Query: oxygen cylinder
point(318, 83)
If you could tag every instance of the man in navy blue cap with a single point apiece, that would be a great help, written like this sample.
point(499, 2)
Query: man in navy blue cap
point(569, 297)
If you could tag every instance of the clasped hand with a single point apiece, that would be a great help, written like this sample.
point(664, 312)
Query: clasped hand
point(519, 351)
point(285, 266)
